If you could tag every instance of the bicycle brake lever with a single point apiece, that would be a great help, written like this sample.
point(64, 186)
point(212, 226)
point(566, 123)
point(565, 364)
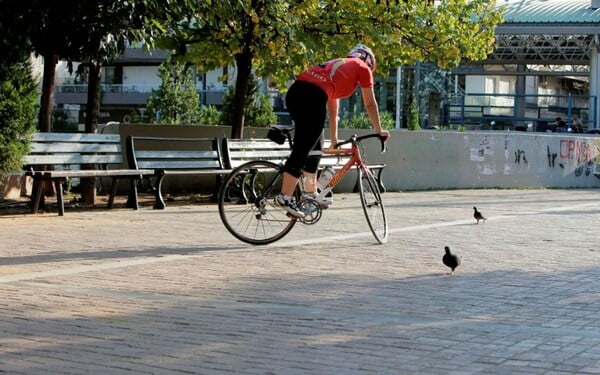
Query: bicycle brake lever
point(383, 144)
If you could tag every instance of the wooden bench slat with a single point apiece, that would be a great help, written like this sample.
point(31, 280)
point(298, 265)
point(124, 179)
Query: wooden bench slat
point(94, 173)
point(76, 137)
point(259, 148)
point(75, 147)
point(197, 171)
point(183, 164)
point(259, 154)
point(141, 155)
point(68, 159)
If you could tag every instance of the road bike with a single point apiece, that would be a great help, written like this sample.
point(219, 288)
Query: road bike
point(249, 212)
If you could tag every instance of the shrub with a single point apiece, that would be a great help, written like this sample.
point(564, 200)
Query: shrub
point(362, 121)
point(18, 111)
point(209, 115)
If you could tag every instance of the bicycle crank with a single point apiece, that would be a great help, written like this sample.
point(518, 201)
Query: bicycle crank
point(312, 210)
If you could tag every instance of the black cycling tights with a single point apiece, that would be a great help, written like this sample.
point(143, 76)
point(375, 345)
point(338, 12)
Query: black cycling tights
point(307, 105)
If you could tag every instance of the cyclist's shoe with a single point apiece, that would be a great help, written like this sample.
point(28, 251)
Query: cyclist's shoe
point(324, 202)
point(289, 205)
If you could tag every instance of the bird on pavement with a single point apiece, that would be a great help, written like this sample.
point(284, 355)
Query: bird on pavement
point(478, 215)
point(451, 259)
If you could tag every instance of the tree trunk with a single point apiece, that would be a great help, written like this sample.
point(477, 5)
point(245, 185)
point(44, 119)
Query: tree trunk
point(92, 110)
point(88, 185)
point(46, 104)
point(47, 99)
point(244, 66)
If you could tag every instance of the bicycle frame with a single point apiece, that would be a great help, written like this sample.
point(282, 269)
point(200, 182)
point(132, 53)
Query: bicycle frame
point(355, 160)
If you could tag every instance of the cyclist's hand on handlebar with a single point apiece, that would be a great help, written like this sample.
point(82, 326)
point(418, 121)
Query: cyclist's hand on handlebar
point(386, 134)
point(333, 143)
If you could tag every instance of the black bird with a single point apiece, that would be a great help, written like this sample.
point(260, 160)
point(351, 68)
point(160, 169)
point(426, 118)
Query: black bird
point(478, 215)
point(450, 259)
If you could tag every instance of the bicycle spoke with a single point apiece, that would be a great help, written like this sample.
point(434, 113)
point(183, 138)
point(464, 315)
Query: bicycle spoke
point(246, 204)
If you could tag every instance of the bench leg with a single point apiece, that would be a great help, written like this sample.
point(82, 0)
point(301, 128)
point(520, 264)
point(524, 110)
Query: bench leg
point(38, 191)
point(113, 191)
point(218, 182)
point(58, 184)
point(132, 198)
point(159, 203)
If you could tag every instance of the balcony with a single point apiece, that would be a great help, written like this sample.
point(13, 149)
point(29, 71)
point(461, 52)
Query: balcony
point(115, 94)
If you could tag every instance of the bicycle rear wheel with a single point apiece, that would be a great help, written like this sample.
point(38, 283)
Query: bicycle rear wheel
point(246, 203)
point(370, 197)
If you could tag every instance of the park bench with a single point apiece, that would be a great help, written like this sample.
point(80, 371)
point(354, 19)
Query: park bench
point(239, 151)
point(58, 157)
point(171, 156)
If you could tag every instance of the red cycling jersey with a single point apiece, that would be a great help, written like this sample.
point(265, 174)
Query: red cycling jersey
point(339, 77)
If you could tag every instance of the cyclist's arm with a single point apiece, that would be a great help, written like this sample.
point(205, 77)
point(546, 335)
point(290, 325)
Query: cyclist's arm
point(332, 108)
point(372, 108)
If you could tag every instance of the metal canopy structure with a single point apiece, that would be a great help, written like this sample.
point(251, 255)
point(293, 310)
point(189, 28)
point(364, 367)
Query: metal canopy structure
point(546, 37)
point(542, 49)
point(546, 32)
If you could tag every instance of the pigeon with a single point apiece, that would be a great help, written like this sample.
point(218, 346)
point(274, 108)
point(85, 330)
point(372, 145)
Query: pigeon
point(478, 215)
point(450, 259)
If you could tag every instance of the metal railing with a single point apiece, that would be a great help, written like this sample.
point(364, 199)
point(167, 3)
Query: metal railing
point(509, 111)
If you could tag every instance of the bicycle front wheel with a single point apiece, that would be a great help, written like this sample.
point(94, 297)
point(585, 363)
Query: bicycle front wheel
point(370, 197)
point(247, 207)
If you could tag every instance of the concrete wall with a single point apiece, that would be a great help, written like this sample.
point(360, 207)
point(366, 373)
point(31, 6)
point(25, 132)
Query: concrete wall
point(425, 160)
point(451, 160)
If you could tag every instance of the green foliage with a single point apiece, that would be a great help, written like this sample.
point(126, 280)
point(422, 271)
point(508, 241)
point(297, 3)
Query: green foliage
point(176, 100)
point(18, 94)
point(284, 37)
point(362, 121)
point(62, 122)
point(257, 109)
point(209, 115)
point(413, 116)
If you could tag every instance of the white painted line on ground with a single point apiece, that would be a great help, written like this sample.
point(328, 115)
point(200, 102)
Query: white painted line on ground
point(174, 257)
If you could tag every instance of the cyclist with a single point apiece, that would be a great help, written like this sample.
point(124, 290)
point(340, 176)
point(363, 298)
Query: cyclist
point(312, 97)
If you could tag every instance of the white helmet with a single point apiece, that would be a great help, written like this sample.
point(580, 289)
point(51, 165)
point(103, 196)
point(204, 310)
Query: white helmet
point(365, 54)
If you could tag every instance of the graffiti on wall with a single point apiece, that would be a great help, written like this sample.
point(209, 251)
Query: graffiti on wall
point(520, 156)
point(574, 154)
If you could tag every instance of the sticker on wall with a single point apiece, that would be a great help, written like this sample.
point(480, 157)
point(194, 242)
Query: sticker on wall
point(477, 154)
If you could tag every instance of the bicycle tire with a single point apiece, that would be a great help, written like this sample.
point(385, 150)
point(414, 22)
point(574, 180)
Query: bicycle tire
point(370, 197)
point(247, 207)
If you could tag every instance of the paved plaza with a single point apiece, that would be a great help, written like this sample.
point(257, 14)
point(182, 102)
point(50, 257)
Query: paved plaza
point(171, 292)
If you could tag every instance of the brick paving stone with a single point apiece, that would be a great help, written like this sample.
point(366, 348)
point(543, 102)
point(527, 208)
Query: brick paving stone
point(169, 291)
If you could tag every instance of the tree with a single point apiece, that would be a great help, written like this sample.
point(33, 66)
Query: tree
point(18, 95)
point(176, 101)
point(91, 32)
point(280, 38)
